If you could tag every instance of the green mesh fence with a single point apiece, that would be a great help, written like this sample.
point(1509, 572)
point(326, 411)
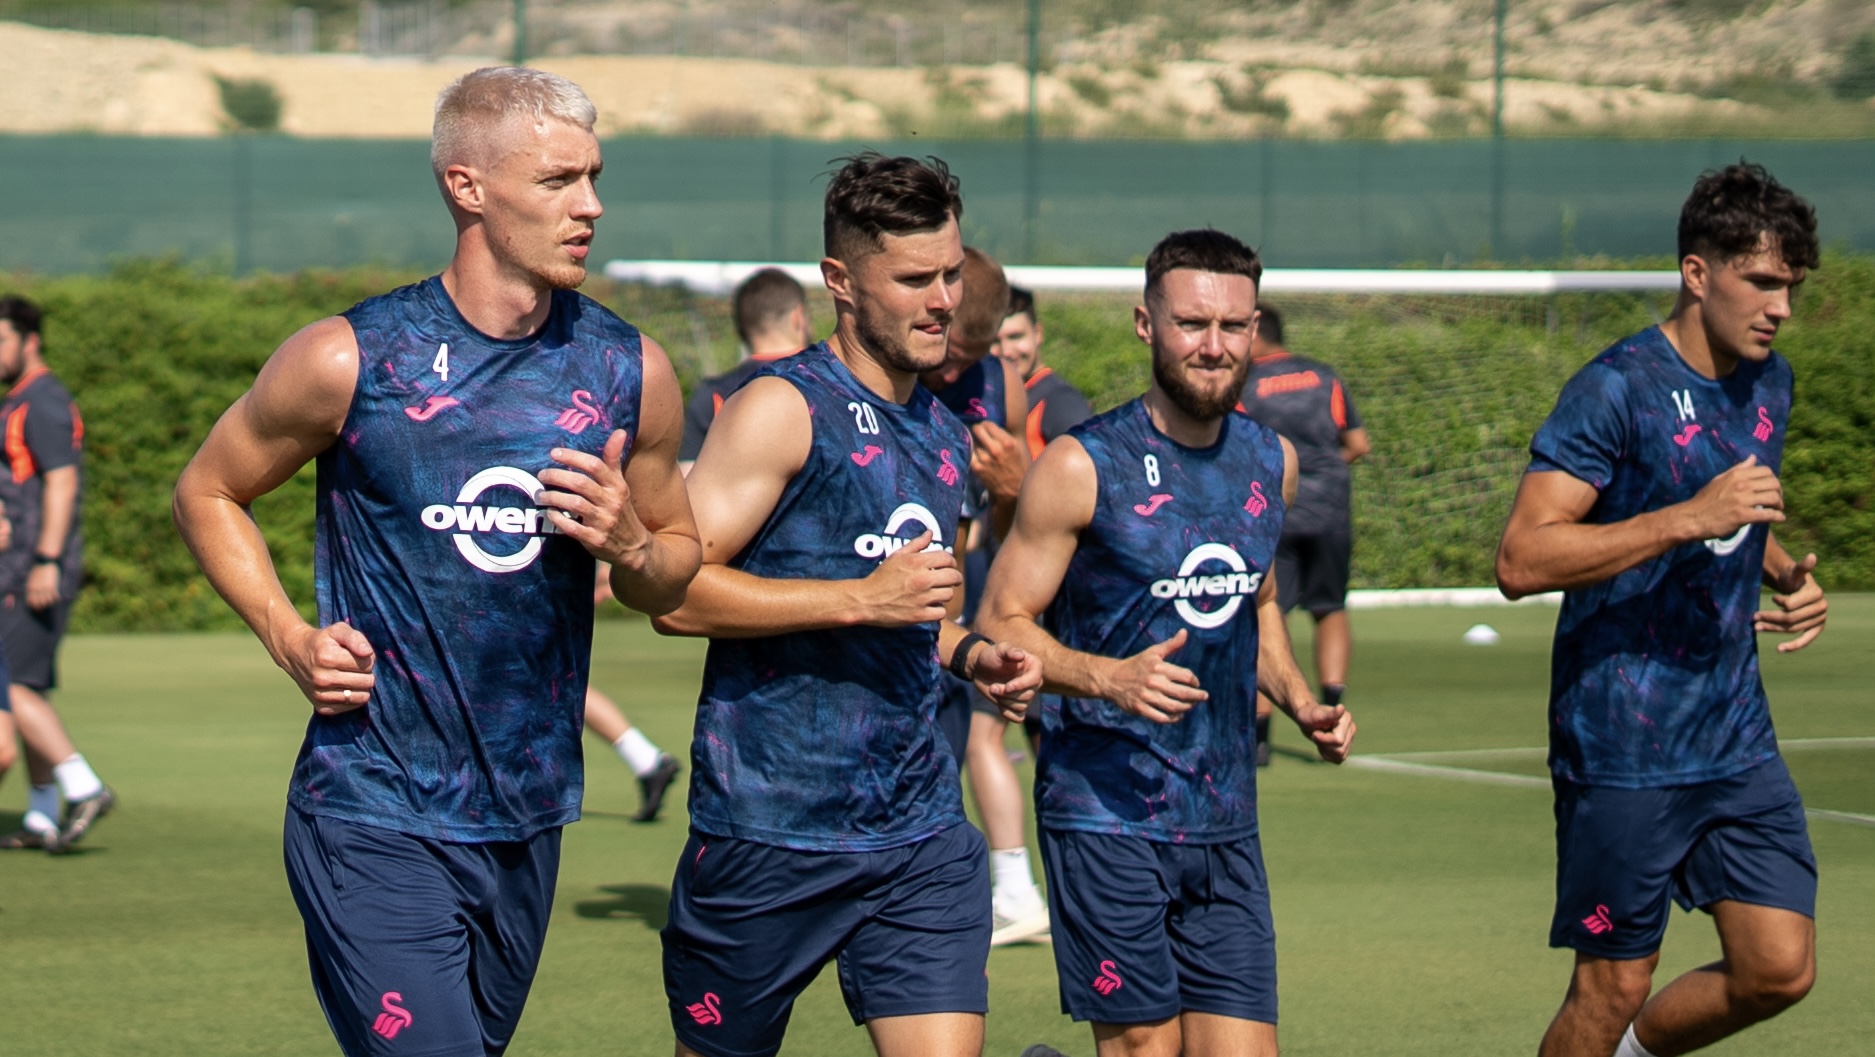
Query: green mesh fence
point(75, 203)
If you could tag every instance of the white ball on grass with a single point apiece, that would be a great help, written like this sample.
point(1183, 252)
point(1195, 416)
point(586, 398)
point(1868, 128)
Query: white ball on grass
point(1482, 635)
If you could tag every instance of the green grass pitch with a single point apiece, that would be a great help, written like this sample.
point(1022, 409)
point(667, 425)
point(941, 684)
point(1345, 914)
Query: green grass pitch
point(1412, 911)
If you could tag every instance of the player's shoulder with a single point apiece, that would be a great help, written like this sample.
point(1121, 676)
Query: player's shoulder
point(583, 313)
point(47, 389)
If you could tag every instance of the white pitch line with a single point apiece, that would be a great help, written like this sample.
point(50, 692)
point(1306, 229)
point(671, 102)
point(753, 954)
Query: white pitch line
point(1397, 765)
point(1457, 774)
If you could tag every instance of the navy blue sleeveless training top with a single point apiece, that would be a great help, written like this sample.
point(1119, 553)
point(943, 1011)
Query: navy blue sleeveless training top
point(828, 740)
point(1181, 538)
point(429, 542)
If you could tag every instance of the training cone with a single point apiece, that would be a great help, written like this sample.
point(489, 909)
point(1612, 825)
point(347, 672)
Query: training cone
point(1482, 635)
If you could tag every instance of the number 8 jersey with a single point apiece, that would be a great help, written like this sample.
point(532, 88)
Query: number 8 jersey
point(1181, 538)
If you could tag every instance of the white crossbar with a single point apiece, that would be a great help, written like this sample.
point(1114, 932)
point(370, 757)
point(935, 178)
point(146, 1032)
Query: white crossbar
point(722, 277)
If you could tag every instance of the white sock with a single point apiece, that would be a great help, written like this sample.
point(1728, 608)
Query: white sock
point(1631, 1046)
point(637, 752)
point(1011, 883)
point(76, 777)
point(42, 809)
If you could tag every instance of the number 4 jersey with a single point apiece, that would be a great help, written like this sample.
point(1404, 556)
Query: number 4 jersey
point(1181, 539)
point(431, 542)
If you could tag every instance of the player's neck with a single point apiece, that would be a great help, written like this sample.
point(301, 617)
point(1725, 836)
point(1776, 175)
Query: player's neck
point(1685, 330)
point(884, 382)
point(1170, 419)
point(769, 348)
point(496, 300)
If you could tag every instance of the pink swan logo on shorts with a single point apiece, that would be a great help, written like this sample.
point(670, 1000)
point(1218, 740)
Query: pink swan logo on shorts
point(1108, 981)
point(947, 472)
point(1256, 504)
point(977, 409)
point(1598, 922)
point(394, 1019)
point(705, 1012)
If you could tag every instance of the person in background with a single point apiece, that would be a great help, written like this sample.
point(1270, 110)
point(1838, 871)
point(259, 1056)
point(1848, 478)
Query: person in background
point(771, 322)
point(40, 571)
point(1304, 401)
point(1054, 405)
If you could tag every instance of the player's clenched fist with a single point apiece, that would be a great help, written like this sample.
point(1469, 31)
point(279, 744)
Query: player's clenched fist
point(592, 503)
point(332, 666)
point(913, 585)
point(1746, 494)
point(1331, 729)
point(1148, 685)
point(998, 458)
point(1008, 675)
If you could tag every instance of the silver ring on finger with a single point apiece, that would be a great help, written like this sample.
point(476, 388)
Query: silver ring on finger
point(348, 697)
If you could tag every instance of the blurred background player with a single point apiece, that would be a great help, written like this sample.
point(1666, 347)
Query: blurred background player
point(449, 664)
point(40, 572)
point(1055, 406)
point(1650, 497)
point(1304, 401)
point(771, 322)
point(1149, 533)
point(984, 392)
point(827, 819)
point(654, 768)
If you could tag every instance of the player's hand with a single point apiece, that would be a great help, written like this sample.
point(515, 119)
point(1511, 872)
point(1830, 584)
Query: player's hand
point(1008, 675)
point(42, 586)
point(591, 503)
point(996, 457)
point(332, 666)
point(1801, 607)
point(1149, 686)
point(1746, 494)
point(912, 585)
point(1331, 729)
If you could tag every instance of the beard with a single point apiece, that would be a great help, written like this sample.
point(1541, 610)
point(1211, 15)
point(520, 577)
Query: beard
point(1194, 401)
point(545, 264)
point(889, 347)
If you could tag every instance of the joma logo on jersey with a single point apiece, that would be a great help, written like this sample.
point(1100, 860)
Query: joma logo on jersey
point(467, 519)
point(910, 518)
point(1191, 584)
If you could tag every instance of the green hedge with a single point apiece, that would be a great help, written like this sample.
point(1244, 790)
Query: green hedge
point(1450, 388)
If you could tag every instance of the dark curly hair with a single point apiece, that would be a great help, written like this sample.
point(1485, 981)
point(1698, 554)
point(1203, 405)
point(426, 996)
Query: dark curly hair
point(23, 314)
point(872, 196)
point(1202, 249)
point(1732, 209)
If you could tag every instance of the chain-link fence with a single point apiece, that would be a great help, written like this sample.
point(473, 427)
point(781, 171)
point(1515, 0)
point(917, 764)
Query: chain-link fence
point(282, 204)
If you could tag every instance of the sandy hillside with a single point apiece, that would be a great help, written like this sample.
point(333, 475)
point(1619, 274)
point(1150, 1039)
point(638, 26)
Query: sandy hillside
point(1254, 85)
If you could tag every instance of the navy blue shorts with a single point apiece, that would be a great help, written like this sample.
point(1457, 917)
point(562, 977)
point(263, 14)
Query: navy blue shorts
point(1621, 854)
point(419, 947)
point(751, 925)
point(1145, 930)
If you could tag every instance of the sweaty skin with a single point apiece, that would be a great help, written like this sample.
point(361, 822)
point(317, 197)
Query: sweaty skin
point(523, 229)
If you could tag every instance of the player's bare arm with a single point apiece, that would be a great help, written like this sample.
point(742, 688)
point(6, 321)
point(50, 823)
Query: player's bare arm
point(999, 458)
point(1355, 444)
point(293, 412)
point(634, 514)
point(1279, 678)
point(1801, 608)
point(759, 442)
point(1547, 547)
point(58, 503)
point(1057, 502)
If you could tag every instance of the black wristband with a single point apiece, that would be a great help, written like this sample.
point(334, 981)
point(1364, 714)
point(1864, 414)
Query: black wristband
point(960, 657)
point(41, 559)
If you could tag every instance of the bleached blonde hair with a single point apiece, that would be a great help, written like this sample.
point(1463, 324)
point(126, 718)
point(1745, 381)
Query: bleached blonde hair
point(471, 111)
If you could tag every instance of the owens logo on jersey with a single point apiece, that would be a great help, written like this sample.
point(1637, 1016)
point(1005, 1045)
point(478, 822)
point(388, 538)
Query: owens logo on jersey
point(1192, 583)
point(872, 545)
point(472, 520)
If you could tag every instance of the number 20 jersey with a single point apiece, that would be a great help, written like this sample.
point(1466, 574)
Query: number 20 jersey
point(430, 542)
point(827, 740)
point(1181, 539)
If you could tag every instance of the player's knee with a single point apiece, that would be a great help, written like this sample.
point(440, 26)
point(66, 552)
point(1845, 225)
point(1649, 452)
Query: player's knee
point(1618, 989)
point(1771, 988)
